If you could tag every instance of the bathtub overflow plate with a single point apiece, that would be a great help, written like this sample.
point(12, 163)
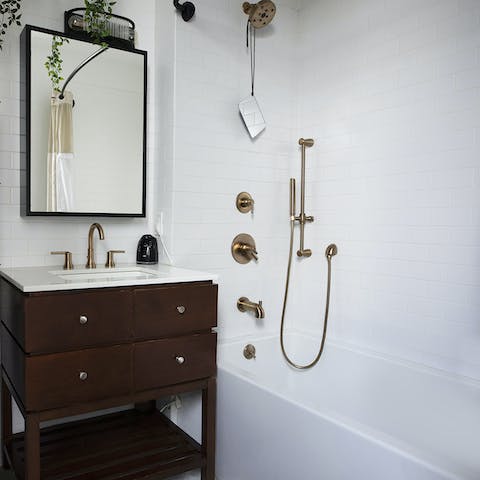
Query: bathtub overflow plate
point(249, 351)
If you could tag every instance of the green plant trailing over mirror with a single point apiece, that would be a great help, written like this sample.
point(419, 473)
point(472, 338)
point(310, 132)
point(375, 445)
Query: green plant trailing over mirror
point(97, 14)
point(9, 14)
point(54, 62)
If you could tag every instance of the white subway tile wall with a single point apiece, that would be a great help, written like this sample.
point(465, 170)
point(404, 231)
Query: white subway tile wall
point(215, 159)
point(391, 92)
point(28, 241)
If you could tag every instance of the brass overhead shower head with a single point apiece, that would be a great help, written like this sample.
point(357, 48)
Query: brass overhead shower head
point(260, 14)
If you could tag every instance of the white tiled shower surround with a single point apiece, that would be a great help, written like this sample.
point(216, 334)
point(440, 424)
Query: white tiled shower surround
point(390, 90)
point(391, 93)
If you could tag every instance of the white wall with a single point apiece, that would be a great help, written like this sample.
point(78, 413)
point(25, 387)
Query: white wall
point(215, 159)
point(391, 92)
point(28, 241)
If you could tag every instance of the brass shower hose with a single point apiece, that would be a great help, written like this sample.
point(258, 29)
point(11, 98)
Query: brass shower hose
point(330, 251)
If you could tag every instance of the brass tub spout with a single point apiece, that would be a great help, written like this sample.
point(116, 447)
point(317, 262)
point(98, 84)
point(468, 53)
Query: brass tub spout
point(244, 304)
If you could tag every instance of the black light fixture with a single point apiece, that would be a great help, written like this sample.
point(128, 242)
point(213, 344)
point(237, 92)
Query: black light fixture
point(187, 9)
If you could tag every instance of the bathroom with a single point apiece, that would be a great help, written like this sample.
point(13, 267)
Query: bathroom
point(390, 92)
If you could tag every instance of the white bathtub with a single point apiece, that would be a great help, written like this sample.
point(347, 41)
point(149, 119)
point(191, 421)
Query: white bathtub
point(353, 416)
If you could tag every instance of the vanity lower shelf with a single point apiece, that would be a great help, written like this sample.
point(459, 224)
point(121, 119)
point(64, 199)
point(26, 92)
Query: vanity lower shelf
point(127, 445)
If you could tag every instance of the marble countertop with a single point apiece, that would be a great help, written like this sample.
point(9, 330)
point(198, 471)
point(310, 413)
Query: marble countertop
point(44, 279)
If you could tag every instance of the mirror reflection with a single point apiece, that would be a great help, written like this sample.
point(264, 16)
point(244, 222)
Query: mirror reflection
point(86, 143)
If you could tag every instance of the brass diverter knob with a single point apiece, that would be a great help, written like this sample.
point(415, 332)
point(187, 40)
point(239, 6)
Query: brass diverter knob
point(244, 249)
point(244, 202)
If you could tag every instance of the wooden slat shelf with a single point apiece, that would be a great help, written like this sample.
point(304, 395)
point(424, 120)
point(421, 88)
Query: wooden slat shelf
point(120, 446)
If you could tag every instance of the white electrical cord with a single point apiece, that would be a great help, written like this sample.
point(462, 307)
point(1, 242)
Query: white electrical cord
point(159, 234)
point(177, 401)
point(170, 259)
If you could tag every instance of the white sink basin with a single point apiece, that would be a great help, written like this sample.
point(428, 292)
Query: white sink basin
point(105, 274)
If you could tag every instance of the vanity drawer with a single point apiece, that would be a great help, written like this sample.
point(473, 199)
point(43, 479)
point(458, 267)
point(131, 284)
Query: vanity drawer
point(175, 310)
point(75, 377)
point(58, 322)
point(169, 361)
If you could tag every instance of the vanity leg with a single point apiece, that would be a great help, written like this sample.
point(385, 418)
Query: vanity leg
point(6, 421)
point(32, 448)
point(209, 396)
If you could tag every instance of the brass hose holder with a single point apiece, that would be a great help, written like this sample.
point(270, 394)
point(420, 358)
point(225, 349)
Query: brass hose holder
point(244, 249)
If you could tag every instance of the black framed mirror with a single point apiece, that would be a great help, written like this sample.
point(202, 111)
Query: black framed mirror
point(85, 139)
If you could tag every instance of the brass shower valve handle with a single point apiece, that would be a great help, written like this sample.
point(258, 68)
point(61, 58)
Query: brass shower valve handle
point(244, 248)
point(248, 250)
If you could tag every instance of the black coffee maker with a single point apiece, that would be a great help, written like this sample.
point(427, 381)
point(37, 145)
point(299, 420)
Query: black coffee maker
point(147, 250)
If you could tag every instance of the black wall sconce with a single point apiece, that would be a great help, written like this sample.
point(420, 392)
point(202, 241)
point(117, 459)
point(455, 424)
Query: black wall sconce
point(187, 9)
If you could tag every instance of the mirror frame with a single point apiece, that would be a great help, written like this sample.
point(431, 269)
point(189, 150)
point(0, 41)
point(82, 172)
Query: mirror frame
point(25, 120)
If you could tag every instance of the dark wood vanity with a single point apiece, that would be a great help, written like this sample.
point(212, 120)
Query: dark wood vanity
point(66, 353)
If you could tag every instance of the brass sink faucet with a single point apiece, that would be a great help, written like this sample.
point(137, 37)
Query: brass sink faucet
point(91, 252)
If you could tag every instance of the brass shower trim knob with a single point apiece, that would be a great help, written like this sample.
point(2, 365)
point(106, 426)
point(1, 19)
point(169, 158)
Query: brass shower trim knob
point(244, 248)
point(245, 202)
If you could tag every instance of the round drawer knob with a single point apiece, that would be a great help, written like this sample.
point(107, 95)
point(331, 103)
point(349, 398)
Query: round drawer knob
point(181, 309)
point(83, 375)
point(83, 319)
point(180, 360)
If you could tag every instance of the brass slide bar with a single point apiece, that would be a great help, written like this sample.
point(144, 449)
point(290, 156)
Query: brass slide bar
point(302, 218)
point(330, 252)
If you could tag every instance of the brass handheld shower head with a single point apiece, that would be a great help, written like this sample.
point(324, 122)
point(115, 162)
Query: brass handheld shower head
point(260, 14)
point(331, 251)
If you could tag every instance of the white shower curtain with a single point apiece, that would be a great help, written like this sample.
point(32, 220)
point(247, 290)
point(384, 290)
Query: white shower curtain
point(60, 155)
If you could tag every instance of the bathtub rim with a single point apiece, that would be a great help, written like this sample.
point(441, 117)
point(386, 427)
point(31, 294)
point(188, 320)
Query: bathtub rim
point(360, 350)
point(378, 437)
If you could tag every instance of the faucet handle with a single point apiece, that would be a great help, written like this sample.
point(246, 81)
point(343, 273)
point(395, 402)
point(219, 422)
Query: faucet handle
point(110, 262)
point(253, 253)
point(68, 264)
point(244, 248)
